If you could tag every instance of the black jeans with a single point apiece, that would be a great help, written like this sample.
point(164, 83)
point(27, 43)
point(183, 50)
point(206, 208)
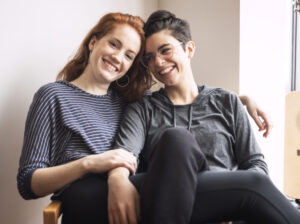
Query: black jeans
point(178, 188)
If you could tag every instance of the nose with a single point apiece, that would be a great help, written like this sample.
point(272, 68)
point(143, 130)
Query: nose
point(117, 57)
point(158, 60)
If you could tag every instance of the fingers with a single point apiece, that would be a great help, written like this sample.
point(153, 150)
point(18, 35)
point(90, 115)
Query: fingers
point(258, 121)
point(260, 118)
point(134, 210)
point(138, 208)
point(110, 218)
point(122, 202)
point(268, 130)
point(132, 217)
point(115, 216)
point(125, 159)
point(128, 156)
point(267, 124)
point(122, 215)
point(129, 166)
point(117, 219)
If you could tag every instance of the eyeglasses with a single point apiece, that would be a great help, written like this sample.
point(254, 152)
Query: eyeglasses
point(165, 52)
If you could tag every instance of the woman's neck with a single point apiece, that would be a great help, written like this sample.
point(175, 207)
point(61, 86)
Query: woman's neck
point(88, 83)
point(183, 93)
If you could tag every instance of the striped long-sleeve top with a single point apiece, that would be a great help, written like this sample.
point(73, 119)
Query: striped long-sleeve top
point(65, 123)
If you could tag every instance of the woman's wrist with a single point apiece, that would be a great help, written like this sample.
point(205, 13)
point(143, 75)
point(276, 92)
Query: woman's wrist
point(244, 99)
point(119, 173)
point(86, 165)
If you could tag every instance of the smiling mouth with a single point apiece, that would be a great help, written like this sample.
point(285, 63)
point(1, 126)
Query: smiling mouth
point(110, 66)
point(166, 70)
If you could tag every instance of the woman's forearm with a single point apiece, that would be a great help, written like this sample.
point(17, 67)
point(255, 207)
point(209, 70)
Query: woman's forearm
point(48, 180)
point(244, 99)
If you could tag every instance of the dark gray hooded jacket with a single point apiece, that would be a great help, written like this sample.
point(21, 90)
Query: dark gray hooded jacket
point(216, 119)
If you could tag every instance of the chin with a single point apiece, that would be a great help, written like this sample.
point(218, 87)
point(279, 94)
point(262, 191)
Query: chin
point(169, 82)
point(110, 78)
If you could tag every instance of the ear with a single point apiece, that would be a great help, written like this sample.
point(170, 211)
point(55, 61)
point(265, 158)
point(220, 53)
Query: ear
point(190, 48)
point(92, 43)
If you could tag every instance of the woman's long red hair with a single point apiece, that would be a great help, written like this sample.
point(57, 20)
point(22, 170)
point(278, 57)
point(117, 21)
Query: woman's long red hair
point(139, 80)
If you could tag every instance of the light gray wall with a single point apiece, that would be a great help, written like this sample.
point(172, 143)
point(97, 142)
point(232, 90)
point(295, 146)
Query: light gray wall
point(37, 38)
point(215, 30)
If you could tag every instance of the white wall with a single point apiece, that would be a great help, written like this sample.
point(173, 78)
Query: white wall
point(37, 38)
point(265, 69)
point(215, 30)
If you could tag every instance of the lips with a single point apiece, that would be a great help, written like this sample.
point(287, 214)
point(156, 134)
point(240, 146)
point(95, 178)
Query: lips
point(166, 70)
point(110, 66)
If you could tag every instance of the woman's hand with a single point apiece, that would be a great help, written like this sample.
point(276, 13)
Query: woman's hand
point(261, 119)
point(104, 162)
point(50, 179)
point(123, 199)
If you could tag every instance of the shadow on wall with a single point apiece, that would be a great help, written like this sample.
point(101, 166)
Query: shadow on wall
point(14, 108)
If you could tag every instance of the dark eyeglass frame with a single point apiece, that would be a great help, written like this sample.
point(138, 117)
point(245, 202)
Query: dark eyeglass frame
point(164, 52)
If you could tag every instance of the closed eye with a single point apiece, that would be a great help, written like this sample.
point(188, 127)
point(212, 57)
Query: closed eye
point(165, 51)
point(113, 44)
point(130, 57)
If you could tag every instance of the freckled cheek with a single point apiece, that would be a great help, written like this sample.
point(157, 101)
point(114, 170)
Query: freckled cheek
point(127, 66)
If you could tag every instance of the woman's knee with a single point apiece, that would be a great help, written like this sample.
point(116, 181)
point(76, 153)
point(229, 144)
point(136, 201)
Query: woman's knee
point(257, 181)
point(179, 145)
point(177, 141)
point(176, 133)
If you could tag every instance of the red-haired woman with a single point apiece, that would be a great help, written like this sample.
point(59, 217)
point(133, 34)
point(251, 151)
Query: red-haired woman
point(72, 122)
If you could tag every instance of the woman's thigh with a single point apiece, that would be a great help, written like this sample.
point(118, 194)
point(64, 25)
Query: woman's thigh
point(219, 196)
point(85, 200)
point(240, 195)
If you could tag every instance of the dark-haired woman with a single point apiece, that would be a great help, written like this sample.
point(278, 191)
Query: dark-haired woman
point(199, 160)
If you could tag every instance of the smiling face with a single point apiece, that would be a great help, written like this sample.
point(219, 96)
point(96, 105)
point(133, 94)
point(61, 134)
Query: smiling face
point(170, 70)
point(113, 54)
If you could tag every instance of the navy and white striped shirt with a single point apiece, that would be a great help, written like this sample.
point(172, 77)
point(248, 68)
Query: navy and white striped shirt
point(65, 123)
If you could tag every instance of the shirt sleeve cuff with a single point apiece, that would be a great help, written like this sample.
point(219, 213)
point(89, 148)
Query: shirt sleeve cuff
point(27, 184)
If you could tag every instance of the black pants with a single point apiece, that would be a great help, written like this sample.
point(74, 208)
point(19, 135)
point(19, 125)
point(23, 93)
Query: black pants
point(178, 188)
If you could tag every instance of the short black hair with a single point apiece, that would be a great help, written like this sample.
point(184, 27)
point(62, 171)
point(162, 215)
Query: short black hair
point(163, 19)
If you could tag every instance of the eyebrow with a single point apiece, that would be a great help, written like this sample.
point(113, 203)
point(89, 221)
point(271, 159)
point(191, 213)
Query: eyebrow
point(162, 46)
point(116, 39)
point(159, 48)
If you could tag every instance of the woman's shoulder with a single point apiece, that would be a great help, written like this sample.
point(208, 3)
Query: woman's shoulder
point(57, 88)
point(141, 105)
point(219, 93)
point(49, 91)
point(49, 88)
point(221, 97)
